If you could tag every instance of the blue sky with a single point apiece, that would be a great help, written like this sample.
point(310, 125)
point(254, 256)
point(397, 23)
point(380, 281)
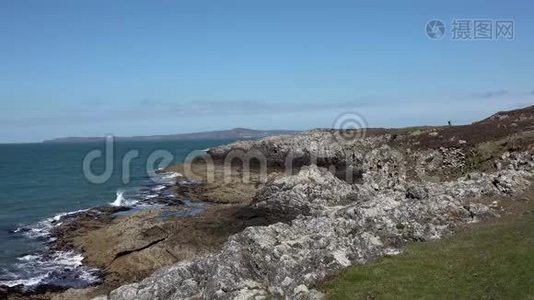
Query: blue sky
point(88, 68)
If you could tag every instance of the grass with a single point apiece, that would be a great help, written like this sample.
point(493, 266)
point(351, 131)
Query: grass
point(493, 260)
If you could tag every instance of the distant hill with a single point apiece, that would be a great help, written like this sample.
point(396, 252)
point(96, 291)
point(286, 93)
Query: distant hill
point(236, 133)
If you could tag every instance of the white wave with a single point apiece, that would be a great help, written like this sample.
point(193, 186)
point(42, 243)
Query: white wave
point(168, 178)
point(176, 175)
point(38, 232)
point(42, 228)
point(29, 282)
point(28, 257)
point(66, 214)
point(33, 270)
point(121, 200)
point(158, 188)
point(67, 258)
point(88, 275)
point(170, 175)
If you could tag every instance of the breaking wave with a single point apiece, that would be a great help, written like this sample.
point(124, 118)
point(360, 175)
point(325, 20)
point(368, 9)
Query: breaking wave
point(64, 269)
point(61, 269)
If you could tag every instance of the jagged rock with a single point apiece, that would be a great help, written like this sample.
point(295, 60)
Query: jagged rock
point(313, 188)
point(335, 222)
point(416, 192)
point(506, 182)
point(480, 211)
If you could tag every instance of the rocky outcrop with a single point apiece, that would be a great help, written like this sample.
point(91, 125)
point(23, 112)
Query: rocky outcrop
point(311, 191)
point(321, 147)
point(338, 224)
point(344, 201)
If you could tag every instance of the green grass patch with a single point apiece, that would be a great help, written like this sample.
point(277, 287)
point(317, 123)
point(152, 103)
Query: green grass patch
point(492, 260)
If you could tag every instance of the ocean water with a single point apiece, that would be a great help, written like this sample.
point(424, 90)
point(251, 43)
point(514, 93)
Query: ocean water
point(41, 184)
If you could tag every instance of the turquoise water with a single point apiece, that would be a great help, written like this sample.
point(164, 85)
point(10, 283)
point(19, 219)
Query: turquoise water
point(40, 181)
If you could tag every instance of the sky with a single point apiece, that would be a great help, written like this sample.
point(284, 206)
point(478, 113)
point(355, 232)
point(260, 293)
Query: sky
point(91, 68)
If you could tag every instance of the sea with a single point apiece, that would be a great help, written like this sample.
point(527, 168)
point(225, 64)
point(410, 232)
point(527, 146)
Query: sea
point(41, 184)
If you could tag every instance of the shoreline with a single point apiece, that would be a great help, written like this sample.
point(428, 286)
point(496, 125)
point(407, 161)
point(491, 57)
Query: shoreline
point(59, 247)
point(283, 232)
point(118, 241)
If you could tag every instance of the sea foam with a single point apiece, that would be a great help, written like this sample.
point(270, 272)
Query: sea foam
point(57, 268)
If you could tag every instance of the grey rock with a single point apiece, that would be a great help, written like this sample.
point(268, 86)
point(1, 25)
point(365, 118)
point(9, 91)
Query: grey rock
point(337, 223)
point(416, 192)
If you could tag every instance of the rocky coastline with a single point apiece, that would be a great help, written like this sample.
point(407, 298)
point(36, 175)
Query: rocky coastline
point(277, 216)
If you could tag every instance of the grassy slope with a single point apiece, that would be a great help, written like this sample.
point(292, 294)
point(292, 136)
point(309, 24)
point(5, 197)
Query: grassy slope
point(491, 260)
